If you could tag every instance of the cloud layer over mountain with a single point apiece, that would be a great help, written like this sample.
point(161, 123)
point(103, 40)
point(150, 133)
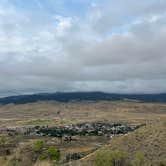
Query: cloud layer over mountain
point(82, 45)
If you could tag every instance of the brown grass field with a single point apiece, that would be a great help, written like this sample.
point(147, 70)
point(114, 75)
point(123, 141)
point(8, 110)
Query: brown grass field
point(54, 113)
point(149, 140)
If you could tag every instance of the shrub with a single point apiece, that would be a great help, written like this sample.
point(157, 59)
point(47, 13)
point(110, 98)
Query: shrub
point(38, 145)
point(54, 154)
point(14, 161)
point(139, 159)
point(2, 140)
point(74, 156)
point(111, 158)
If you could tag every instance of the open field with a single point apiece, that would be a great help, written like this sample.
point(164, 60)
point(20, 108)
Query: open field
point(54, 113)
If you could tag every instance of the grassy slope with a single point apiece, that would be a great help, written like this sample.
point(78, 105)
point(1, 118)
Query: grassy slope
point(150, 141)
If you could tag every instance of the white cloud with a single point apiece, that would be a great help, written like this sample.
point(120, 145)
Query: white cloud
point(63, 24)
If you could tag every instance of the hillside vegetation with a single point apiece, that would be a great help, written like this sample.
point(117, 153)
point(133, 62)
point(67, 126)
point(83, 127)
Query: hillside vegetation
point(147, 143)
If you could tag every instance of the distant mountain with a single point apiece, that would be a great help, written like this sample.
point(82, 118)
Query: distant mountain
point(82, 96)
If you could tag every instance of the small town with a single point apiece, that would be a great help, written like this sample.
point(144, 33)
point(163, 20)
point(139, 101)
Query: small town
point(87, 128)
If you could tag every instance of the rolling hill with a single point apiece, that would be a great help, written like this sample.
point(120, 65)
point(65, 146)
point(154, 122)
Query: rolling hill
point(81, 96)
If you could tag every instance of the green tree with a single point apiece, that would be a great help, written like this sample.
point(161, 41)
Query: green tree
point(54, 154)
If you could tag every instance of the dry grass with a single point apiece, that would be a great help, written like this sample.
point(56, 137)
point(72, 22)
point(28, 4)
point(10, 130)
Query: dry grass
point(3, 161)
point(150, 141)
point(43, 163)
point(53, 113)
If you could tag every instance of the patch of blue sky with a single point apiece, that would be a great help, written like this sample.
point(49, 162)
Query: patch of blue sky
point(61, 7)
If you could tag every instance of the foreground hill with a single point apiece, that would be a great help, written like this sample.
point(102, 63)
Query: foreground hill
point(149, 142)
point(82, 96)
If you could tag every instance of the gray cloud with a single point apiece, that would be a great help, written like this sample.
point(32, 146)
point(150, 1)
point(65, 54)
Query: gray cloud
point(106, 51)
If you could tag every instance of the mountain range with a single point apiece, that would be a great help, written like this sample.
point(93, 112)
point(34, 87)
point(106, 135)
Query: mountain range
point(81, 96)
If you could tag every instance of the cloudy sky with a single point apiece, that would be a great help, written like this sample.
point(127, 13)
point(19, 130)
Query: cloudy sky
point(82, 45)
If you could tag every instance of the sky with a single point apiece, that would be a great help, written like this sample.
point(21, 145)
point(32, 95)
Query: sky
point(82, 45)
